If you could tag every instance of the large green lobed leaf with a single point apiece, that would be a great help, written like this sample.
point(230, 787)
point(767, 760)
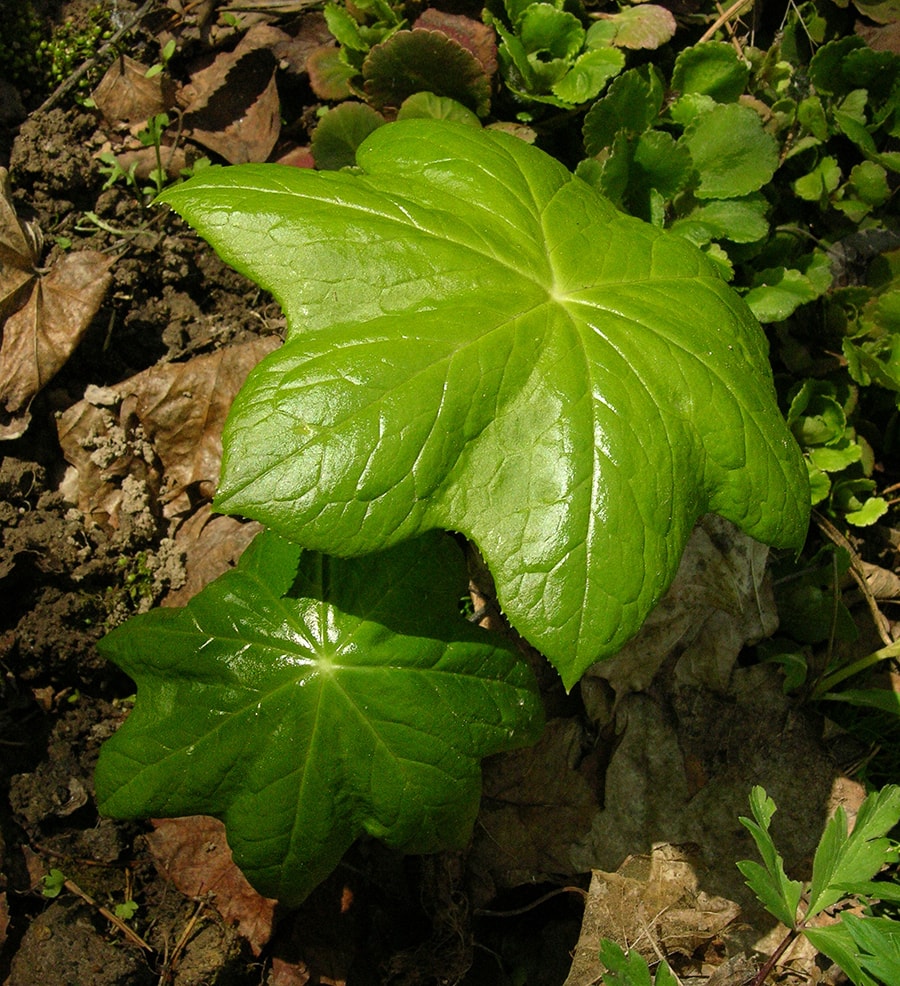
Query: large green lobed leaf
point(478, 341)
point(305, 700)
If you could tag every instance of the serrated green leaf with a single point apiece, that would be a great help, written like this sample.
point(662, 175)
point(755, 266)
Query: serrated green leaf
point(740, 220)
point(732, 152)
point(868, 513)
point(779, 292)
point(779, 895)
point(589, 75)
point(491, 348)
point(820, 182)
point(550, 33)
point(645, 26)
point(846, 858)
point(630, 968)
point(305, 700)
point(878, 944)
point(632, 104)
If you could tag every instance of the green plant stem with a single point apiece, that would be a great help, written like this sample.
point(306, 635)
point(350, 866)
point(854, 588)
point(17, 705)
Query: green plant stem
point(836, 677)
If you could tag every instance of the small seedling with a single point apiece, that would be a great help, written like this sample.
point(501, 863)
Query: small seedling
point(845, 866)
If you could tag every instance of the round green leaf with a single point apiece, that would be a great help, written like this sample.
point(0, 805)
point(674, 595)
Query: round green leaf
point(427, 106)
point(712, 68)
point(340, 132)
point(732, 152)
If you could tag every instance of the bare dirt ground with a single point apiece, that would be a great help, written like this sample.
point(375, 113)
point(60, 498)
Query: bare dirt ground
point(104, 505)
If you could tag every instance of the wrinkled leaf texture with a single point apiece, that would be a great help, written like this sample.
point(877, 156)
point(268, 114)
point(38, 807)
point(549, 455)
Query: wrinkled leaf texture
point(305, 700)
point(478, 341)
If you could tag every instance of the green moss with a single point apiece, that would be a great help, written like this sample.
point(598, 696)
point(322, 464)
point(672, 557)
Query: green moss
point(40, 55)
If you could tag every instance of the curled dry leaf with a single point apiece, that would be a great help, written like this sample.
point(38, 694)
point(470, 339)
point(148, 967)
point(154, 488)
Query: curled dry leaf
point(43, 314)
point(193, 853)
point(211, 545)
point(233, 107)
point(126, 95)
point(164, 425)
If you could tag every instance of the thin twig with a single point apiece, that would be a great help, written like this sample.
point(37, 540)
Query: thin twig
point(735, 8)
point(128, 932)
point(481, 912)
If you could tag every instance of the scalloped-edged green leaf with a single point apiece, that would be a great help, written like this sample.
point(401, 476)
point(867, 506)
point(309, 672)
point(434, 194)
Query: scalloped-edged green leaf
point(647, 26)
point(427, 106)
point(740, 220)
point(732, 152)
point(550, 33)
point(425, 61)
point(340, 132)
point(305, 700)
point(711, 68)
point(632, 104)
point(480, 342)
point(590, 73)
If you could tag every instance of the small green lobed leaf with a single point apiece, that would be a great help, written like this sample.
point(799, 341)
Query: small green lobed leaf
point(305, 700)
point(492, 348)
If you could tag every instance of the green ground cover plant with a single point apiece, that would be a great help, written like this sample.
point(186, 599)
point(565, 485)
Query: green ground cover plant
point(477, 342)
point(864, 943)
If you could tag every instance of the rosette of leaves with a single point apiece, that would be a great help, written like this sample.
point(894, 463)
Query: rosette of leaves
point(819, 415)
point(547, 56)
point(430, 60)
point(448, 55)
point(357, 27)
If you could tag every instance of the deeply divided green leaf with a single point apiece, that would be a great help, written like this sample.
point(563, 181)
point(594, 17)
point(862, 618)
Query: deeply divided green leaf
point(478, 341)
point(305, 700)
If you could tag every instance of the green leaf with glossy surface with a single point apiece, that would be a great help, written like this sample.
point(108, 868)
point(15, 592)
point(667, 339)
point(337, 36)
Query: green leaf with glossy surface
point(305, 700)
point(491, 348)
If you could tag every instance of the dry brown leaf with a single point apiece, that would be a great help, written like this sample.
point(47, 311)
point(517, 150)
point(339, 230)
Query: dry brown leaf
point(210, 545)
point(233, 107)
point(163, 425)
point(44, 315)
point(535, 806)
point(653, 904)
point(126, 95)
point(193, 853)
point(719, 601)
